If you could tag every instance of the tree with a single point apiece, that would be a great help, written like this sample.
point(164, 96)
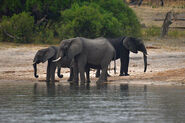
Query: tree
point(167, 22)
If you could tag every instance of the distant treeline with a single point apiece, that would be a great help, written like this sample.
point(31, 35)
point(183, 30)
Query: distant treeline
point(49, 21)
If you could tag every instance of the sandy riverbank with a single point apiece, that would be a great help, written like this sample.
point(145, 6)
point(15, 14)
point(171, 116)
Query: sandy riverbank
point(164, 65)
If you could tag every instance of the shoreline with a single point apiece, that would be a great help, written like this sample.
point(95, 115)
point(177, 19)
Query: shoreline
point(164, 66)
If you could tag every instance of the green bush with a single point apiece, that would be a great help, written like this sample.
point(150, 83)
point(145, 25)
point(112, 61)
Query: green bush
point(130, 24)
point(18, 28)
point(85, 21)
point(110, 18)
point(65, 19)
point(44, 36)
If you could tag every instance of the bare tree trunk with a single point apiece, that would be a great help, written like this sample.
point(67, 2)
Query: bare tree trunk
point(167, 22)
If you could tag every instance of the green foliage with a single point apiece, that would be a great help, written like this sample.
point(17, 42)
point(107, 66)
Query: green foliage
point(20, 26)
point(49, 20)
point(41, 8)
point(110, 18)
point(84, 21)
point(10, 7)
point(129, 23)
point(44, 36)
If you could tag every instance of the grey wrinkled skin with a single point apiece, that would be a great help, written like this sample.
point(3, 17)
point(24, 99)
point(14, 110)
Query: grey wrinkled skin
point(123, 46)
point(87, 53)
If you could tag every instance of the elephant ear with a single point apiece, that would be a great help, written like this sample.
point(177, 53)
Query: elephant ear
point(75, 47)
point(130, 44)
point(49, 53)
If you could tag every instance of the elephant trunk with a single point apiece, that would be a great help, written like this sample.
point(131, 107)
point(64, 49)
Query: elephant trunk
point(58, 72)
point(145, 61)
point(35, 70)
point(142, 48)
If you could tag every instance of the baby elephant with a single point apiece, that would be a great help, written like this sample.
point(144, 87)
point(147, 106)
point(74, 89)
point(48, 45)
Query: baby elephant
point(49, 54)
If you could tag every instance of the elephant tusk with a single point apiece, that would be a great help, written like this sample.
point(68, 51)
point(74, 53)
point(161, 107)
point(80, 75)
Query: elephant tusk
point(57, 59)
point(34, 62)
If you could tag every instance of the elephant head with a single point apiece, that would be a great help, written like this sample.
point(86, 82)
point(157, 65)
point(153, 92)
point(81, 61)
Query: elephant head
point(69, 48)
point(134, 45)
point(42, 56)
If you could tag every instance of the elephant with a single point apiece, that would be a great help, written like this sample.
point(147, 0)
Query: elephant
point(86, 53)
point(48, 54)
point(123, 45)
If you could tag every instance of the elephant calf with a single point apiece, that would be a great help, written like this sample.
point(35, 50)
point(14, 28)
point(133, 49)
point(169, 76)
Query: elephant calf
point(49, 54)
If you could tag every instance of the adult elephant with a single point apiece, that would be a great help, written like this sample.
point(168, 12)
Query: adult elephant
point(123, 46)
point(96, 53)
point(49, 54)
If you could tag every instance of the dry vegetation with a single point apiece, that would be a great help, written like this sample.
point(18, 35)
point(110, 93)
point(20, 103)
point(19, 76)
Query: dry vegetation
point(156, 3)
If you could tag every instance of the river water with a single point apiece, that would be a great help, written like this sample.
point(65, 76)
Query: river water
point(28, 102)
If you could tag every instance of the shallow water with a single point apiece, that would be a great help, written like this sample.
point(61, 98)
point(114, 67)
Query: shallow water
point(36, 103)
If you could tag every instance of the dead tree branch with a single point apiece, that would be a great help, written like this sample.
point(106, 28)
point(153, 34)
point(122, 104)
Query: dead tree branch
point(41, 20)
point(9, 35)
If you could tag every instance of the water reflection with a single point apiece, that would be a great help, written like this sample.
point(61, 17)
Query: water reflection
point(124, 88)
point(40, 102)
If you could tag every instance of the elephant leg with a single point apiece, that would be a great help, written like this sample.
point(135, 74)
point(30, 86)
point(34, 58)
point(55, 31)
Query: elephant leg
point(126, 63)
point(75, 71)
point(71, 74)
point(87, 74)
point(98, 73)
point(52, 72)
point(81, 68)
point(103, 75)
point(48, 72)
point(121, 67)
point(82, 75)
point(124, 60)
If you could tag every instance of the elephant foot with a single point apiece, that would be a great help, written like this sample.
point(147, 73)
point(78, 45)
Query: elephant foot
point(126, 74)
